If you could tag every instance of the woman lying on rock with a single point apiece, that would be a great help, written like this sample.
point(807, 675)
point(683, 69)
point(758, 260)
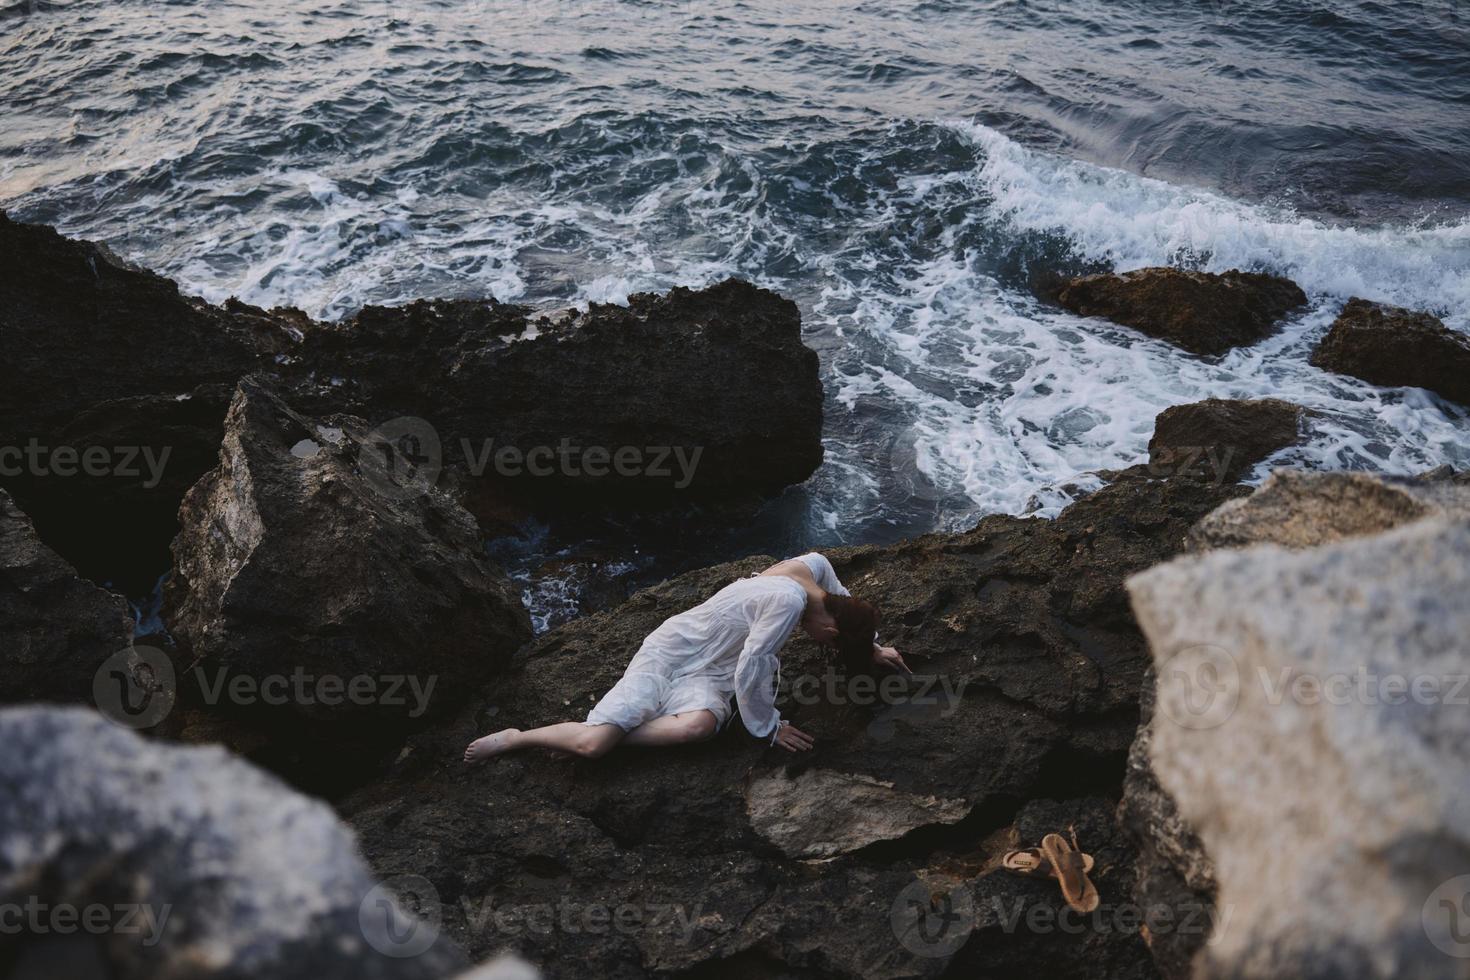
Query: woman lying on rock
point(679, 685)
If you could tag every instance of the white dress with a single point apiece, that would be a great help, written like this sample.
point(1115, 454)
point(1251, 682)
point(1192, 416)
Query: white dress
point(724, 647)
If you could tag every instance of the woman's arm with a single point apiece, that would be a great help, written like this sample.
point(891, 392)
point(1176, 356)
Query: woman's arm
point(772, 618)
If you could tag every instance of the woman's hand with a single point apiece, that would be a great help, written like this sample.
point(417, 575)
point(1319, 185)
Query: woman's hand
point(888, 657)
point(793, 739)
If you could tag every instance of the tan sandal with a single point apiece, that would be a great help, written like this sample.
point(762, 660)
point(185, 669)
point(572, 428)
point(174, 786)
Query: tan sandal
point(1071, 871)
point(1031, 863)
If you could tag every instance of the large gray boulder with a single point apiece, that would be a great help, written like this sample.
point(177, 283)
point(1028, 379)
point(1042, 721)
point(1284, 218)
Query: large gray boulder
point(132, 860)
point(56, 628)
point(1311, 729)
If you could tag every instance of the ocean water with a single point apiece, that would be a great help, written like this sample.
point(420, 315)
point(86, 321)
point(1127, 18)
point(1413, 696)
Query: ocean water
point(903, 170)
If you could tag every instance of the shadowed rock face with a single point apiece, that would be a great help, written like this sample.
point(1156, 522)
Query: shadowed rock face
point(1174, 878)
point(1029, 666)
point(1221, 439)
point(56, 629)
point(712, 390)
point(1387, 345)
point(299, 554)
point(106, 357)
point(1201, 312)
point(719, 372)
point(220, 870)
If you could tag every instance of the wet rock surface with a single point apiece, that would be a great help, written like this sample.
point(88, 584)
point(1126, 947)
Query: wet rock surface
point(706, 393)
point(1201, 312)
point(1029, 666)
point(220, 870)
point(300, 558)
point(56, 628)
point(1222, 439)
point(1307, 712)
point(1387, 345)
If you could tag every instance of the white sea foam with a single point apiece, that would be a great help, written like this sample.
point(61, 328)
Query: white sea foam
point(1065, 395)
point(1134, 222)
point(990, 401)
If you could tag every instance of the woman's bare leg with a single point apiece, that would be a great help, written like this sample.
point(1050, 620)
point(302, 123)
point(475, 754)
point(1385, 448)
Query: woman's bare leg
point(690, 726)
point(588, 741)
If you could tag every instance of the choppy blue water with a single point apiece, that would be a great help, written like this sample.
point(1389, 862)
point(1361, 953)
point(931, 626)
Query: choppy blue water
point(898, 168)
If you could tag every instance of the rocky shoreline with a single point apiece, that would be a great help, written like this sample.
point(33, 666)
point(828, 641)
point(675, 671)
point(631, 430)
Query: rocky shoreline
point(320, 513)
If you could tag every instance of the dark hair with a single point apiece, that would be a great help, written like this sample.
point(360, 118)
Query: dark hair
point(857, 624)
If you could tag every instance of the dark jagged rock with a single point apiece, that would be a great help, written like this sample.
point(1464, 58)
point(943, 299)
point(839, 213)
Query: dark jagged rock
point(720, 372)
point(106, 357)
point(56, 629)
point(1202, 312)
point(708, 393)
point(200, 865)
point(1033, 666)
point(1221, 439)
point(298, 553)
point(1386, 345)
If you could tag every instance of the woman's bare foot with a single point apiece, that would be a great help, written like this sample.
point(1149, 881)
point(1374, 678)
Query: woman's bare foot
point(490, 745)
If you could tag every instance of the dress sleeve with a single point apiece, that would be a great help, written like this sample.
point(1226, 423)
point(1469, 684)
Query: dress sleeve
point(825, 574)
point(772, 618)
